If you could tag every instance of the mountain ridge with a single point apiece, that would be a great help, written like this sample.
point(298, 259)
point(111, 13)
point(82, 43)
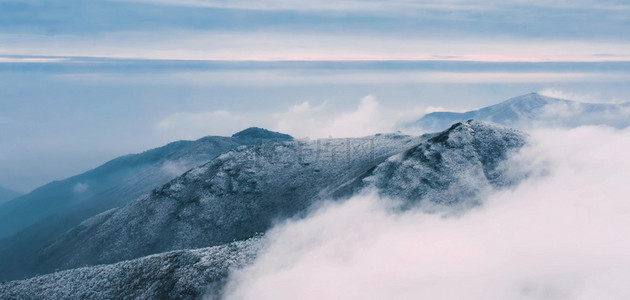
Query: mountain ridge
point(245, 190)
point(218, 202)
point(61, 205)
point(530, 110)
point(199, 209)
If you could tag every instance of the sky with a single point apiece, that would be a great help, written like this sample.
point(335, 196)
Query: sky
point(82, 82)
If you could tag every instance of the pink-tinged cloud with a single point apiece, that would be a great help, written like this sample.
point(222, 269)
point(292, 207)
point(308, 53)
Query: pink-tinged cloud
point(251, 46)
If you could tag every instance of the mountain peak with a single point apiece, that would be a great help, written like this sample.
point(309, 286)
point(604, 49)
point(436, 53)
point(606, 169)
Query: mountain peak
point(470, 127)
point(465, 157)
point(257, 133)
point(531, 97)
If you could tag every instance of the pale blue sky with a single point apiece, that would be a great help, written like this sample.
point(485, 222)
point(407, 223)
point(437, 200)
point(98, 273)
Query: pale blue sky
point(82, 82)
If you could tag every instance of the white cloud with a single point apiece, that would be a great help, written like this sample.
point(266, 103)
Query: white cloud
point(268, 78)
point(301, 120)
point(580, 97)
point(273, 46)
point(559, 236)
point(431, 109)
point(367, 119)
point(4, 59)
point(80, 188)
point(556, 112)
point(322, 121)
point(175, 168)
point(574, 114)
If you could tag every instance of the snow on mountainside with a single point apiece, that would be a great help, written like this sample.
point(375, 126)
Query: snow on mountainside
point(253, 135)
point(7, 195)
point(233, 197)
point(453, 167)
point(533, 109)
point(184, 274)
point(53, 209)
point(242, 192)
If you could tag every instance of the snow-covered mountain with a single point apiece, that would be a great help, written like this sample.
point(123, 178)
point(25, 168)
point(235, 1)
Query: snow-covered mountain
point(233, 197)
point(39, 217)
point(454, 167)
point(532, 110)
point(243, 192)
point(7, 195)
point(184, 274)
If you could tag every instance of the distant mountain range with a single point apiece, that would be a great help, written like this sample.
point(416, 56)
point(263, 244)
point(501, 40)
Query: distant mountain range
point(532, 110)
point(7, 195)
point(241, 193)
point(34, 220)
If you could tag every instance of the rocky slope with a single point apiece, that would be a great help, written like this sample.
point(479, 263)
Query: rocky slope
point(454, 167)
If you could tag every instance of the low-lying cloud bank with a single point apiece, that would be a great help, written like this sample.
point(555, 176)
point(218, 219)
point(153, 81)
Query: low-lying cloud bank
point(302, 120)
point(560, 235)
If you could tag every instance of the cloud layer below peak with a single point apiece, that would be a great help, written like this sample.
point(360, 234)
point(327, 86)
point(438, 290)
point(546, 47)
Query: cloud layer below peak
point(560, 235)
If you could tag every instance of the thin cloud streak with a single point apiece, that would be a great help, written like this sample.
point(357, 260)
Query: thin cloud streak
point(256, 46)
point(4, 59)
point(394, 5)
point(323, 77)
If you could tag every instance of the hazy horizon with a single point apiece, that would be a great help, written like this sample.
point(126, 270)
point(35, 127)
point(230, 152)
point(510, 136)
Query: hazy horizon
point(120, 78)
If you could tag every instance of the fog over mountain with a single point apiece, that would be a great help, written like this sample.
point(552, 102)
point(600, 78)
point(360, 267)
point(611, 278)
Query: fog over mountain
point(496, 212)
point(559, 234)
point(247, 190)
point(245, 207)
point(328, 149)
point(535, 110)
